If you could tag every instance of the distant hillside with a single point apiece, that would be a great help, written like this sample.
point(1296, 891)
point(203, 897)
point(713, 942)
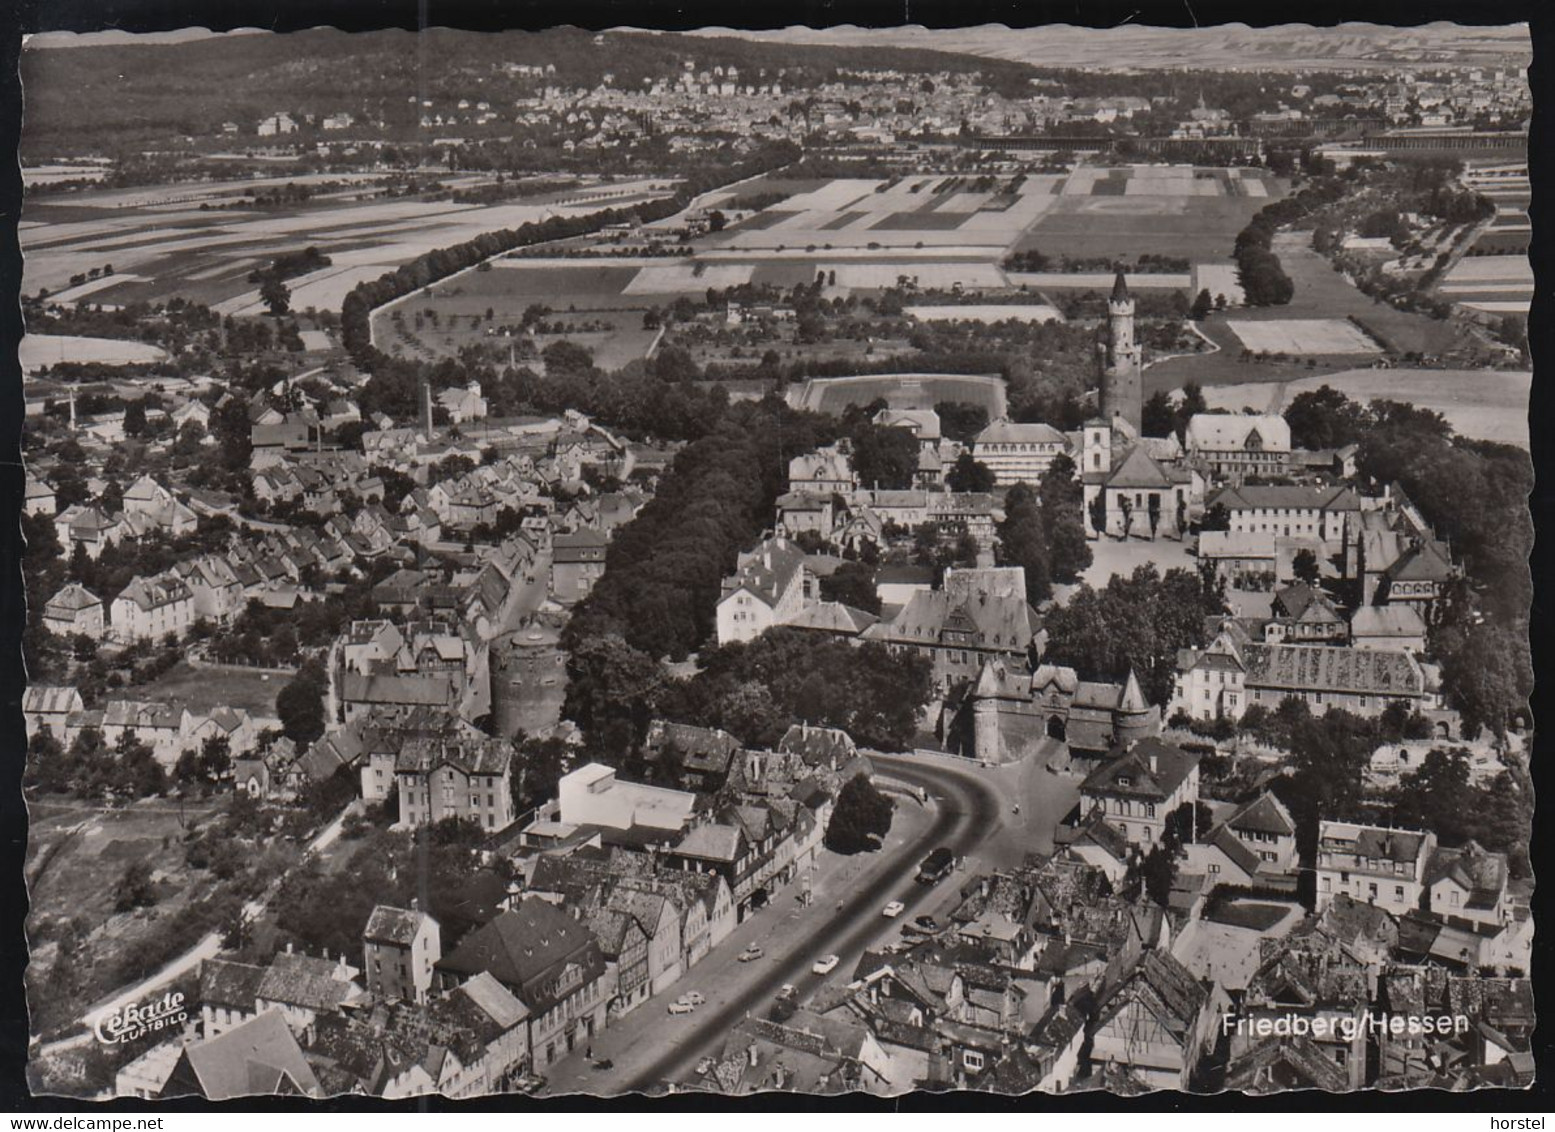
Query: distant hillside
point(130, 94)
point(1234, 46)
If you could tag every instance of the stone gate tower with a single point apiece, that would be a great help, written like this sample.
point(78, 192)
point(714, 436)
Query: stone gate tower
point(1122, 361)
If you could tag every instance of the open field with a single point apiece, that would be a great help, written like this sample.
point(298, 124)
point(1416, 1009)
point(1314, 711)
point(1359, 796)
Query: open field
point(1096, 280)
point(1303, 336)
point(175, 248)
point(1484, 404)
point(903, 391)
point(38, 350)
point(202, 689)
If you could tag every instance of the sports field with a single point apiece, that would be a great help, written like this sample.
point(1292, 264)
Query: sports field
point(902, 391)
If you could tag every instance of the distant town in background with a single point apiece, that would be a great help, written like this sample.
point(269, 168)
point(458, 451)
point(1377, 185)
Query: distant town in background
point(581, 562)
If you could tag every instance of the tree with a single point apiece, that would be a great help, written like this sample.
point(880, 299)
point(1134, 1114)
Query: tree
point(1202, 306)
point(716, 221)
point(135, 888)
point(1217, 517)
point(275, 295)
point(135, 418)
point(853, 584)
point(300, 704)
point(1487, 675)
point(884, 456)
point(1063, 502)
point(1023, 541)
point(1159, 417)
point(215, 758)
point(860, 819)
point(967, 474)
point(1305, 567)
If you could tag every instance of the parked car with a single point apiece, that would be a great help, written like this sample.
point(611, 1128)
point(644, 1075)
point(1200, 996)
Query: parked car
point(695, 998)
point(826, 966)
point(788, 990)
point(927, 923)
point(893, 909)
point(681, 1006)
point(751, 952)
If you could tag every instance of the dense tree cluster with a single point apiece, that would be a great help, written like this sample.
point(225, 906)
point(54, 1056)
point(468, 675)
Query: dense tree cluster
point(860, 819)
point(1264, 282)
point(1136, 622)
point(785, 676)
point(663, 569)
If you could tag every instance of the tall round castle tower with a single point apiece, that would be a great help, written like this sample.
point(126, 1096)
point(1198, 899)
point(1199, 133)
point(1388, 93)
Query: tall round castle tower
point(1122, 361)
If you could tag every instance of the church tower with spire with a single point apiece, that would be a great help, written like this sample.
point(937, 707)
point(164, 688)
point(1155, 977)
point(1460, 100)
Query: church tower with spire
point(1122, 361)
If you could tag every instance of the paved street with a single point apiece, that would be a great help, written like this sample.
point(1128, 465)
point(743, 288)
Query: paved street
point(649, 1047)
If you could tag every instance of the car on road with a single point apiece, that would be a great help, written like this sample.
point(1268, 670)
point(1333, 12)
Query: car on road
point(788, 990)
point(681, 1006)
point(826, 966)
point(751, 952)
point(893, 909)
point(695, 998)
point(528, 1084)
point(927, 923)
point(936, 866)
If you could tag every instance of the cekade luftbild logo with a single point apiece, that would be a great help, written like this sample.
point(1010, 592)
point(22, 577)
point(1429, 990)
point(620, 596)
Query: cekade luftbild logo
point(133, 1021)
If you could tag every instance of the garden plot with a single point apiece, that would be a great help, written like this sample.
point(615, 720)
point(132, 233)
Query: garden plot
point(985, 312)
point(688, 278)
point(1504, 270)
point(1218, 279)
point(941, 276)
point(1319, 336)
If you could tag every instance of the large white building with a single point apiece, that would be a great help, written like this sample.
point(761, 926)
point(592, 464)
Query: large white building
point(1382, 867)
point(593, 795)
point(151, 608)
point(767, 588)
point(1231, 445)
point(1018, 453)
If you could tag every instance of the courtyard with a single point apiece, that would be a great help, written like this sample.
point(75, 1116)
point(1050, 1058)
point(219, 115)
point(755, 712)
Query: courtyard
point(1111, 556)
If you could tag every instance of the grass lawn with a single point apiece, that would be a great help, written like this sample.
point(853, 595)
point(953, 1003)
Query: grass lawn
point(203, 689)
point(1111, 556)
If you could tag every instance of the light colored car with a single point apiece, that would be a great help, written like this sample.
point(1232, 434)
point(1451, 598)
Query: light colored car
point(681, 1006)
point(751, 952)
point(695, 998)
point(788, 990)
point(826, 966)
point(893, 909)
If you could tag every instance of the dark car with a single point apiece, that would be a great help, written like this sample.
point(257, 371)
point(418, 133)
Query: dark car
point(927, 923)
point(936, 866)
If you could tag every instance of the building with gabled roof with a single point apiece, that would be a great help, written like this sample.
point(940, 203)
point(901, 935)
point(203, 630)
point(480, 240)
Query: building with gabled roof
point(1142, 786)
point(1232, 445)
point(152, 608)
point(1469, 883)
point(959, 633)
point(443, 776)
point(1018, 452)
point(550, 962)
point(769, 586)
point(1131, 491)
point(259, 1057)
point(1398, 625)
point(1372, 865)
point(400, 947)
point(1158, 1022)
point(75, 609)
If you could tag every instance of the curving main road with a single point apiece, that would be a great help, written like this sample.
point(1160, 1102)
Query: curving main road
point(968, 810)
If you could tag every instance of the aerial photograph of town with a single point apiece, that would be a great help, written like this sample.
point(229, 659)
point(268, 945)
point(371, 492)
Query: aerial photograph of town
point(823, 561)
